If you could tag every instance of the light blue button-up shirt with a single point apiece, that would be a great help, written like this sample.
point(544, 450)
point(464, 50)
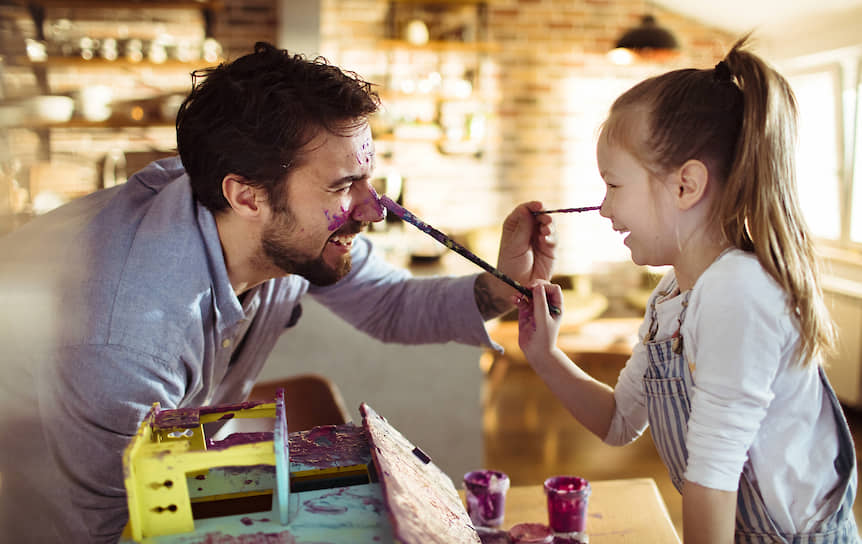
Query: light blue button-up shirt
point(121, 299)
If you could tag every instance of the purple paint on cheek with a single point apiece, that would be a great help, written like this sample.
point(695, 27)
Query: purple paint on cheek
point(337, 220)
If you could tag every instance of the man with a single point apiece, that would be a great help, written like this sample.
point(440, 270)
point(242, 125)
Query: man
point(175, 286)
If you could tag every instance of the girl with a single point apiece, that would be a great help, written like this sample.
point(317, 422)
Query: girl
point(700, 173)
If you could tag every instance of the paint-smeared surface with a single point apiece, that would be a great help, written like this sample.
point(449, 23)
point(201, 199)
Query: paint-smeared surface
point(329, 446)
point(423, 503)
point(231, 407)
point(338, 501)
point(348, 515)
point(183, 418)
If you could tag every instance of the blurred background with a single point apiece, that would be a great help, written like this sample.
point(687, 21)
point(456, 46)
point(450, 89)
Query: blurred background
point(486, 103)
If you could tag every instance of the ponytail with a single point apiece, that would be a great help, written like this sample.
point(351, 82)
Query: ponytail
point(759, 209)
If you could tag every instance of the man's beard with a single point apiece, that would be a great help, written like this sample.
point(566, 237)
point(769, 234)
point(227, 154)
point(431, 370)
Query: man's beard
point(291, 261)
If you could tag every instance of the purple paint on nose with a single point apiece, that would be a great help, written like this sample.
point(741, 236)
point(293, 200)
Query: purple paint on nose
point(378, 205)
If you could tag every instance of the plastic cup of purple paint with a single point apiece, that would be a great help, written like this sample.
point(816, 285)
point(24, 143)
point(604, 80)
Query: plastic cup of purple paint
point(485, 491)
point(567, 503)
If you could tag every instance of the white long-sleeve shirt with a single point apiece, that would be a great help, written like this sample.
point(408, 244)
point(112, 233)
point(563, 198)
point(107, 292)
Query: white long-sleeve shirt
point(751, 398)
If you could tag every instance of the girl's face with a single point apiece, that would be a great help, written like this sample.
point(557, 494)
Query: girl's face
point(640, 208)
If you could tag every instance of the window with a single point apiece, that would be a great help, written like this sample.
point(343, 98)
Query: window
point(819, 156)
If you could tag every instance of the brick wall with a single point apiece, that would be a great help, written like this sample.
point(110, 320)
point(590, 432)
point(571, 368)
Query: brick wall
point(545, 86)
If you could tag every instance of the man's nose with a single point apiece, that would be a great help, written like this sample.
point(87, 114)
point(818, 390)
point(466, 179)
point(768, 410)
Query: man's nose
point(368, 207)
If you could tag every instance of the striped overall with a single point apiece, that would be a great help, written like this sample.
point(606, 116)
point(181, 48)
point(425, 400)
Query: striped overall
point(667, 384)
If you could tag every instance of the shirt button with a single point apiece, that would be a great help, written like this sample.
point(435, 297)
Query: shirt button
point(225, 343)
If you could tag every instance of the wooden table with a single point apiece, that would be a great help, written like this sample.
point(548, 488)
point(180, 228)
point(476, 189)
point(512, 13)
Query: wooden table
point(619, 511)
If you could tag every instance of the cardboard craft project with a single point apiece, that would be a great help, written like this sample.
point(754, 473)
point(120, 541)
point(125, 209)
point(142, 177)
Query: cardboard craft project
point(335, 484)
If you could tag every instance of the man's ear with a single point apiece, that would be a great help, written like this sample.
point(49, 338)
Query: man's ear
point(691, 183)
point(246, 200)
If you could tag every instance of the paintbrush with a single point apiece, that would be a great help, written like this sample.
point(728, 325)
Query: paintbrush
point(569, 210)
point(447, 241)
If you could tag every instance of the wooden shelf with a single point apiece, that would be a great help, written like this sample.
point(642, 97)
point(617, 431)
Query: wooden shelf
point(122, 63)
point(437, 46)
point(214, 5)
point(109, 124)
point(443, 2)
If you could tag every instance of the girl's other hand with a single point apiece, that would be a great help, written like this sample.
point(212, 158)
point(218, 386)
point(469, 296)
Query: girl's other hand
point(537, 328)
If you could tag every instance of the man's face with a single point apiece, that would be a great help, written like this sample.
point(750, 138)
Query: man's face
point(329, 200)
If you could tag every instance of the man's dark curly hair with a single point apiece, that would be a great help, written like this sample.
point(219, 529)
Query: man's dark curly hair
point(253, 116)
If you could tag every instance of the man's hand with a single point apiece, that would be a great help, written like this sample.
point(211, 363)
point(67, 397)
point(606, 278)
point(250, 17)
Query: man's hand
point(526, 255)
point(527, 245)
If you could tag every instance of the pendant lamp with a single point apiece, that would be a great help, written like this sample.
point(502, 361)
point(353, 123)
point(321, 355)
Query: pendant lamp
point(647, 41)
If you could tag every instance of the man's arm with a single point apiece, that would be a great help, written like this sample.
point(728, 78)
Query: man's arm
point(488, 299)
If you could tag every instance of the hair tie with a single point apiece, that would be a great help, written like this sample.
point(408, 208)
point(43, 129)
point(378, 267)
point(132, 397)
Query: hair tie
point(722, 72)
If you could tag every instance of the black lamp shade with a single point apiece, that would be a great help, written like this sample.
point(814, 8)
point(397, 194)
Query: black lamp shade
point(648, 35)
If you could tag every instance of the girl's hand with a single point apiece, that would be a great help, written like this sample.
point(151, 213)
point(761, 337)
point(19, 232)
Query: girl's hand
point(537, 328)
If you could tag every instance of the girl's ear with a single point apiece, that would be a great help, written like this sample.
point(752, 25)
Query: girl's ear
point(691, 183)
point(244, 199)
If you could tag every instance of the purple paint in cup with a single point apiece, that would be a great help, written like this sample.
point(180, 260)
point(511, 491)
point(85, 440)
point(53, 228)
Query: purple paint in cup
point(567, 503)
point(485, 491)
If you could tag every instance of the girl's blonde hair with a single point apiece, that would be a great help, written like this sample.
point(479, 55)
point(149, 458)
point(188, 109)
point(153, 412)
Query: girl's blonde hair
point(739, 119)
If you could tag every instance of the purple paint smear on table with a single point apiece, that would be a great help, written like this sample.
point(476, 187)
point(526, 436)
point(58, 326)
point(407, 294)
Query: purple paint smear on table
point(447, 241)
point(256, 538)
point(328, 503)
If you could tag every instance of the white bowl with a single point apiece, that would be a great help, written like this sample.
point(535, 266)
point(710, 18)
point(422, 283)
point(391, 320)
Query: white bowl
point(36, 110)
point(52, 109)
